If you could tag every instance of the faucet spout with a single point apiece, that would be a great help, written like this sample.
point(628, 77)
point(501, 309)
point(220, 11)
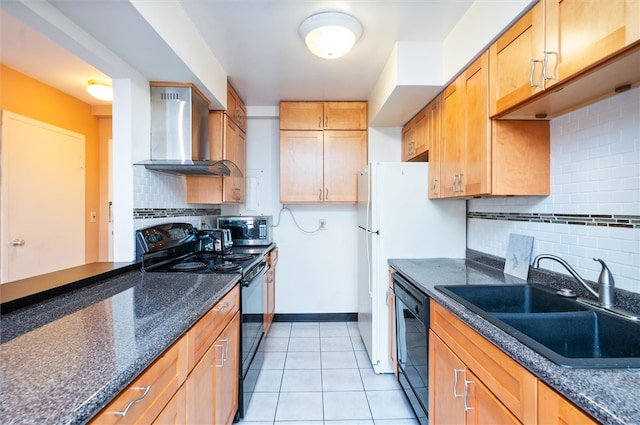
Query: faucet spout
point(536, 262)
point(606, 282)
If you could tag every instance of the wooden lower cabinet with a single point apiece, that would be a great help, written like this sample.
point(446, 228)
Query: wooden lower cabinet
point(195, 381)
point(471, 381)
point(555, 409)
point(175, 412)
point(270, 289)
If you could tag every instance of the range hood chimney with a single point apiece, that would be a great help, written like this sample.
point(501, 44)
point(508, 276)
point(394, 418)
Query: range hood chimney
point(180, 133)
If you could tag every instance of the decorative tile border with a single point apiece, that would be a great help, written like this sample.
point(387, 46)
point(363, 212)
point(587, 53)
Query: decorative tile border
point(603, 220)
point(147, 213)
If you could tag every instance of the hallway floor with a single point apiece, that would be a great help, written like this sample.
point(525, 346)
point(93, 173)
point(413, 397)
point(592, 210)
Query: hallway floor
point(320, 374)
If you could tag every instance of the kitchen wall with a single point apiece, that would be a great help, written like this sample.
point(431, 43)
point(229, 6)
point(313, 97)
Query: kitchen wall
point(594, 206)
point(26, 96)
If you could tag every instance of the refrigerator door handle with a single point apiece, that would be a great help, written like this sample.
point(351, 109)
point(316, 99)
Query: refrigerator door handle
point(377, 232)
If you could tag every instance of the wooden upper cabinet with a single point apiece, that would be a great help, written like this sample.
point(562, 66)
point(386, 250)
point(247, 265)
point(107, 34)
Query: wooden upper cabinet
point(321, 166)
point(323, 115)
point(580, 33)
point(319, 163)
point(484, 157)
point(434, 114)
point(345, 153)
point(416, 137)
point(555, 41)
point(516, 62)
point(236, 109)
point(226, 141)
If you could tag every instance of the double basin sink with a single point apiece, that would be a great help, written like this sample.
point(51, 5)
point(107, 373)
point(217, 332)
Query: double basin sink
point(562, 329)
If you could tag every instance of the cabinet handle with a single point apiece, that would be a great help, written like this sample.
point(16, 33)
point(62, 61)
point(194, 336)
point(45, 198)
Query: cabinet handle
point(221, 364)
point(533, 68)
point(320, 121)
point(545, 62)
point(435, 186)
point(320, 195)
point(466, 395)
point(135, 400)
point(456, 177)
point(326, 121)
point(238, 192)
point(460, 182)
point(225, 355)
point(326, 194)
point(223, 306)
point(455, 382)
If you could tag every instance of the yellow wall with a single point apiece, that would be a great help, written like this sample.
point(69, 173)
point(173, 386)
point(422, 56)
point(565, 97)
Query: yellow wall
point(28, 97)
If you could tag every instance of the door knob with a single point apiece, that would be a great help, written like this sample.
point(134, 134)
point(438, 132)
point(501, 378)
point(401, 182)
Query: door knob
point(17, 242)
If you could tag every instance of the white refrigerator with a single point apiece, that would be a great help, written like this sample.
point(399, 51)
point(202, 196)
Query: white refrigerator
point(396, 219)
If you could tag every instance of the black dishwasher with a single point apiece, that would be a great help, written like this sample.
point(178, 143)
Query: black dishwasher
point(412, 339)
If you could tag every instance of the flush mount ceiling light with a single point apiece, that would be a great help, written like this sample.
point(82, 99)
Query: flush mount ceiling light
point(100, 90)
point(330, 35)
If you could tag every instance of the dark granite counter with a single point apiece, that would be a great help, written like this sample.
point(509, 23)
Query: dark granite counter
point(63, 359)
point(612, 396)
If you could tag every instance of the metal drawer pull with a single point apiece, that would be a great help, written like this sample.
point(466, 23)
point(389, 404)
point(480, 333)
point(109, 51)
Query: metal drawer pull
point(17, 242)
point(223, 306)
point(455, 382)
point(326, 195)
point(221, 364)
point(134, 401)
point(466, 394)
point(225, 354)
point(320, 122)
point(326, 121)
point(320, 195)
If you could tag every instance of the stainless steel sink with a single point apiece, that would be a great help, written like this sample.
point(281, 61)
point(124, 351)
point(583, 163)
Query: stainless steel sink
point(561, 329)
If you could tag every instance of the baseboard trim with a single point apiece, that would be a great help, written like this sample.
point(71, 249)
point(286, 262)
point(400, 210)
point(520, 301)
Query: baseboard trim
point(316, 317)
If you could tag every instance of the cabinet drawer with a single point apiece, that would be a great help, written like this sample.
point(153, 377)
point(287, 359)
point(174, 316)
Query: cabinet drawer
point(512, 384)
point(144, 399)
point(206, 330)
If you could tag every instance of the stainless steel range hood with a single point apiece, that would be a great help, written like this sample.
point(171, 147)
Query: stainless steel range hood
point(180, 134)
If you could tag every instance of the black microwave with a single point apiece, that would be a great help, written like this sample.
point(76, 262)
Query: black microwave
point(248, 230)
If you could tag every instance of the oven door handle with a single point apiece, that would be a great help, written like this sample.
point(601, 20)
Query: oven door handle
point(246, 282)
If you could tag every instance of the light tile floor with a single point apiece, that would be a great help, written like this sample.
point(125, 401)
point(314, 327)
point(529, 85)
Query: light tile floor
point(320, 374)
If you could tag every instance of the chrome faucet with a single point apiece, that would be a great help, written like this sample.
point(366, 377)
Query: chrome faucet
point(605, 280)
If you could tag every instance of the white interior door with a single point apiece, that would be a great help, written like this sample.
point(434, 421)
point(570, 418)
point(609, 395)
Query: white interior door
point(43, 202)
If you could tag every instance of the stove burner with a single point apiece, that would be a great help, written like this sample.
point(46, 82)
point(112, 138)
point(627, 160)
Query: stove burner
point(189, 266)
point(238, 257)
point(206, 255)
point(226, 267)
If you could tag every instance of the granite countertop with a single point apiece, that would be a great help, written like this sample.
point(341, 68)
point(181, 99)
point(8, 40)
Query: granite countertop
point(62, 360)
point(612, 396)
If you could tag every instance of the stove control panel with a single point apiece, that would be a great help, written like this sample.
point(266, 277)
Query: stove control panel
point(162, 237)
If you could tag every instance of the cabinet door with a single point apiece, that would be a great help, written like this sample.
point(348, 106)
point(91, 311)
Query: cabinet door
point(200, 389)
point(580, 33)
point(175, 412)
point(408, 140)
point(345, 153)
point(446, 384)
point(555, 409)
point(301, 116)
point(482, 407)
point(423, 131)
point(226, 373)
point(345, 115)
point(434, 114)
point(301, 166)
point(269, 301)
point(476, 178)
point(516, 62)
point(235, 147)
point(451, 139)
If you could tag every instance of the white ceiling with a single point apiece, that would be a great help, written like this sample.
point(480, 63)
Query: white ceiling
point(255, 41)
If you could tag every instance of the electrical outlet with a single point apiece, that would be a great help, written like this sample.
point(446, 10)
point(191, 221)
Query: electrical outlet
point(323, 224)
point(93, 217)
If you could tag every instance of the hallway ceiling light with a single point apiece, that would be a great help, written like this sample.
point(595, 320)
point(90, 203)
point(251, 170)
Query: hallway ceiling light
point(330, 35)
point(100, 90)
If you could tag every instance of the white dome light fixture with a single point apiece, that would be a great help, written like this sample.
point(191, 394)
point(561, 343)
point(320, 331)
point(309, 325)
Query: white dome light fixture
point(100, 90)
point(330, 35)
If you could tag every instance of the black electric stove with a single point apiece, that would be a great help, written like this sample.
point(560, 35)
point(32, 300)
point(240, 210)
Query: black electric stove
point(175, 248)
